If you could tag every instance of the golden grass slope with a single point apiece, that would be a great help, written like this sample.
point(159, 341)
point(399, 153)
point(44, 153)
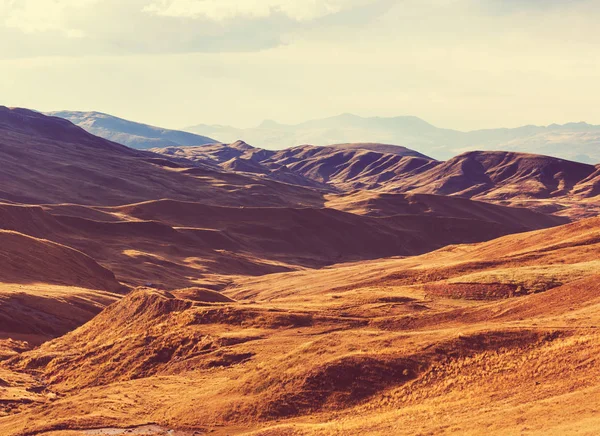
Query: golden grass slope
point(47, 290)
point(359, 348)
point(564, 253)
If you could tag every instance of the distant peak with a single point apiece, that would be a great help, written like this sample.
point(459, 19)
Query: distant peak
point(266, 124)
point(241, 145)
point(578, 124)
point(82, 114)
point(347, 116)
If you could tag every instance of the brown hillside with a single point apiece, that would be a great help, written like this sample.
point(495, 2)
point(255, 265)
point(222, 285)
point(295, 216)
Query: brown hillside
point(176, 244)
point(27, 260)
point(229, 290)
point(543, 183)
point(43, 156)
point(354, 348)
point(347, 167)
point(502, 175)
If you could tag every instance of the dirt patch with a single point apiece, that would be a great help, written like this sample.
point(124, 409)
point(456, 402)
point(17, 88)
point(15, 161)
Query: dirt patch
point(474, 291)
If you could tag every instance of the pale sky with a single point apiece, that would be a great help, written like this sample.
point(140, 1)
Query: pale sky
point(462, 64)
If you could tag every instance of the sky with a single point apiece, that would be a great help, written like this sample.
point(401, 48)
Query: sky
point(462, 64)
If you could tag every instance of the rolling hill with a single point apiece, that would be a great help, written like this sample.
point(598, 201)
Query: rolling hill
point(129, 207)
point(543, 183)
point(42, 157)
point(47, 289)
point(359, 288)
point(467, 335)
point(500, 175)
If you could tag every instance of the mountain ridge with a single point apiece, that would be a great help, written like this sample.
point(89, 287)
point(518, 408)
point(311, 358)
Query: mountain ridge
point(545, 183)
point(130, 133)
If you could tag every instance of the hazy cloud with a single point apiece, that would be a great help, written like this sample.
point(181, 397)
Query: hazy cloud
point(35, 16)
point(105, 27)
point(458, 63)
point(119, 27)
point(220, 10)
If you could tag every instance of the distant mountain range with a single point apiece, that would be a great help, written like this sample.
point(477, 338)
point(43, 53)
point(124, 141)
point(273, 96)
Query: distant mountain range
point(130, 133)
point(574, 141)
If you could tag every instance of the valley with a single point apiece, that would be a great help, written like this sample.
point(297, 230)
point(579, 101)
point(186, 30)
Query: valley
point(357, 288)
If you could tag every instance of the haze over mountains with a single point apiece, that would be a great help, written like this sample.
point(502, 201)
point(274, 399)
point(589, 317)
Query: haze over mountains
point(359, 288)
point(573, 141)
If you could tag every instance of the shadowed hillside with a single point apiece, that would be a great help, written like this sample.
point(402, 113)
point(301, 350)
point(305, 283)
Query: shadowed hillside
point(175, 244)
point(542, 183)
point(43, 156)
